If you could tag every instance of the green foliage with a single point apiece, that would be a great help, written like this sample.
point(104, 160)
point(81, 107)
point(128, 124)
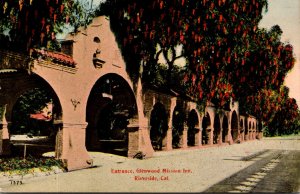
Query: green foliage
point(286, 120)
point(13, 164)
point(227, 54)
point(1, 112)
point(30, 102)
point(27, 24)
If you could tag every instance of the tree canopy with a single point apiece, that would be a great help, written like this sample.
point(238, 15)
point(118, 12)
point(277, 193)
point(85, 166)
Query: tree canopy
point(25, 24)
point(226, 55)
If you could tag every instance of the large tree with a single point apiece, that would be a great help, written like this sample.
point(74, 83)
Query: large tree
point(214, 37)
point(25, 24)
point(147, 30)
point(226, 54)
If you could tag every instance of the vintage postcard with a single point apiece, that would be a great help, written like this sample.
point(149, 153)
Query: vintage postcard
point(150, 96)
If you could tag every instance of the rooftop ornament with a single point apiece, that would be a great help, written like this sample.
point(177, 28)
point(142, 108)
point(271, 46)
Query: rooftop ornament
point(96, 60)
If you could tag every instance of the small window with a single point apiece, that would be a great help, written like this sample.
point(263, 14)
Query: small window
point(97, 39)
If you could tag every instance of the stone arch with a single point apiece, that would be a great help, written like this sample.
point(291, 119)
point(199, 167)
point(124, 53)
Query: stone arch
point(178, 121)
point(206, 128)
point(158, 126)
point(111, 106)
point(18, 82)
point(217, 129)
point(193, 127)
point(234, 126)
point(225, 129)
point(38, 128)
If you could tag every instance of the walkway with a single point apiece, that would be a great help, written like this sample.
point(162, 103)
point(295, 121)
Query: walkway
point(179, 170)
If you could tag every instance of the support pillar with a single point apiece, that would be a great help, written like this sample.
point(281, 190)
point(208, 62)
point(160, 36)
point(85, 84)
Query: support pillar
point(220, 135)
point(183, 139)
point(242, 135)
point(4, 134)
point(198, 138)
point(229, 136)
point(133, 140)
point(168, 140)
point(211, 136)
point(246, 136)
point(139, 141)
point(70, 146)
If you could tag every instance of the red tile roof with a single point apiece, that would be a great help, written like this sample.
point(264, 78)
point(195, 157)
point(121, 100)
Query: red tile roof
point(56, 57)
point(40, 116)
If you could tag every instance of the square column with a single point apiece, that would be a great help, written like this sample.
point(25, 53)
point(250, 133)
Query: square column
point(70, 146)
point(183, 139)
point(229, 136)
point(168, 140)
point(198, 137)
point(139, 141)
point(220, 135)
point(4, 134)
point(210, 136)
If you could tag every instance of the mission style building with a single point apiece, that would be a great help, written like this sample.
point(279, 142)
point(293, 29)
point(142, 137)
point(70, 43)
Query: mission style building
point(97, 107)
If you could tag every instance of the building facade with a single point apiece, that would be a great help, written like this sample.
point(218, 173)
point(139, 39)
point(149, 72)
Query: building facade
point(96, 106)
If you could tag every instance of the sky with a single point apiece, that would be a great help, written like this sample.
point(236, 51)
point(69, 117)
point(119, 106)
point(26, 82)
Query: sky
point(286, 13)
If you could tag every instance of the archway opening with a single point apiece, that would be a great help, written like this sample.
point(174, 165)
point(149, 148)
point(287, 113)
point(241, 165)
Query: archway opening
point(110, 107)
point(260, 126)
point(193, 127)
point(177, 127)
point(36, 116)
point(158, 126)
point(250, 130)
point(225, 129)
point(241, 124)
point(234, 126)
point(206, 128)
point(217, 129)
point(247, 127)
